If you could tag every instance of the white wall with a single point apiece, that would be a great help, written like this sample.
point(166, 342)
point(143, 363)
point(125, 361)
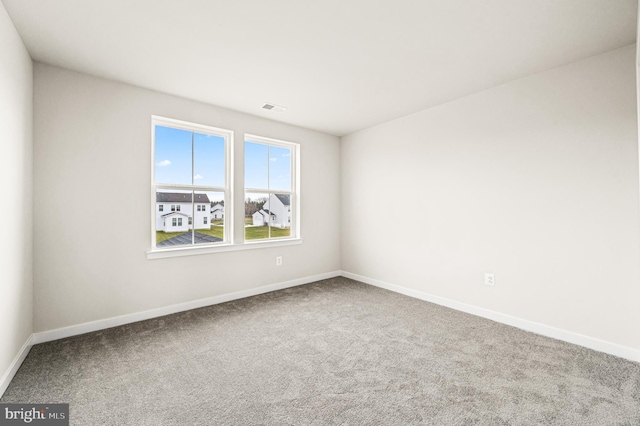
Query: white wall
point(92, 142)
point(535, 181)
point(16, 109)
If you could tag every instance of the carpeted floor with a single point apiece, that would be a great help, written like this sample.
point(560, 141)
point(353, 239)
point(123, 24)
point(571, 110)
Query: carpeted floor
point(332, 352)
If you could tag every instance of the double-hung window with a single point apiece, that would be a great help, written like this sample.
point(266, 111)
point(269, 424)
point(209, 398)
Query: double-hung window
point(271, 189)
point(191, 168)
point(192, 191)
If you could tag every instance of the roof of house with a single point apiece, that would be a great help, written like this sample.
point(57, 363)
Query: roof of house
point(264, 212)
point(284, 198)
point(170, 213)
point(179, 197)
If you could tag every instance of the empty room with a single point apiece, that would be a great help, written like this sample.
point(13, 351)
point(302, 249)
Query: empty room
point(319, 213)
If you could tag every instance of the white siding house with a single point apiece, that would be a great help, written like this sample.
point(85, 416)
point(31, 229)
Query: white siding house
point(260, 218)
point(217, 211)
point(174, 212)
point(175, 222)
point(278, 208)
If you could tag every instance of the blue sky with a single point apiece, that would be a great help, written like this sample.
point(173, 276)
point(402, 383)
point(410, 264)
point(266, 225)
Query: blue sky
point(173, 158)
point(266, 167)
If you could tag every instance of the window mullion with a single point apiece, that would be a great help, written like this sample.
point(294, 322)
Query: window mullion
point(193, 192)
point(258, 191)
point(268, 188)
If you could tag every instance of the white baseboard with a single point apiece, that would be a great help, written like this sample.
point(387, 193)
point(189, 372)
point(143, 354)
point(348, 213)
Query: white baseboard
point(545, 330)
point(15, 365)
point(74, 330)
point(535, 327)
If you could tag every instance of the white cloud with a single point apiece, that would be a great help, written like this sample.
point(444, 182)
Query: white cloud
point(288, 154)
point(273, 159)
point(164, 163)
point(197, 177)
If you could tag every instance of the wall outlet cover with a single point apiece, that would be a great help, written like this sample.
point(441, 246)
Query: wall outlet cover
point(489, 279)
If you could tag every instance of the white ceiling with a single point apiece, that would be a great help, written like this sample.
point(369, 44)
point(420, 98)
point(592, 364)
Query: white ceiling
point(338, 65)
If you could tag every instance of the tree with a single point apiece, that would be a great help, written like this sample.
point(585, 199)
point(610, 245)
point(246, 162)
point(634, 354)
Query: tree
point(252, 206)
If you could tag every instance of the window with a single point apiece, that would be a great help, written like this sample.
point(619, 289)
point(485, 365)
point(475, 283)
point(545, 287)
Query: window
point(191, 169)
point(192, 177)
point(271, 198)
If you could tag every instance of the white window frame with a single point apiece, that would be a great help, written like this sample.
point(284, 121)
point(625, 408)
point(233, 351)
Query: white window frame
point(294, 193)
point(227, 189)
point(232, 241)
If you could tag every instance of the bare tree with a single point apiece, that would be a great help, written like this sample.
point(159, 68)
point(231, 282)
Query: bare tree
point(252, 206)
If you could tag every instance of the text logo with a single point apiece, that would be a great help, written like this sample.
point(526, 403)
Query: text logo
point(34, 414)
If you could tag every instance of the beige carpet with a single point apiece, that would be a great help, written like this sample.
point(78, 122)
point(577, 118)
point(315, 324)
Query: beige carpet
point(332, 352)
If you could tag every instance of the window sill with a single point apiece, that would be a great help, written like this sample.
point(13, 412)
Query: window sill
point(192, 251)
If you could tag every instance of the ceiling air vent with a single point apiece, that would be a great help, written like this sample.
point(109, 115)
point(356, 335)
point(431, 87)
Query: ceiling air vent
point(272, 107)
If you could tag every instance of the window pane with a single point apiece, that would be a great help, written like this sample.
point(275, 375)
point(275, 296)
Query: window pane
point(172, 156)
point(208, 160)
point(170, 231)
point(256, 160)
point(208, 223)
point(279, 206)
point(279, 168)
point(256, 218)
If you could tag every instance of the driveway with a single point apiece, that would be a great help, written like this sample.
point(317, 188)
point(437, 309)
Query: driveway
point(185, 239)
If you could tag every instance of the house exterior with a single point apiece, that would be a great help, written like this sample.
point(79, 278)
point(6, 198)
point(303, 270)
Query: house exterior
point(174, 212)
point(261, 217)
point(276, 212)
point(217, 211)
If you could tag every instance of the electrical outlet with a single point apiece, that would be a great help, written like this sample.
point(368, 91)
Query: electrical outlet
point(489, 279)
point(278, 260)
